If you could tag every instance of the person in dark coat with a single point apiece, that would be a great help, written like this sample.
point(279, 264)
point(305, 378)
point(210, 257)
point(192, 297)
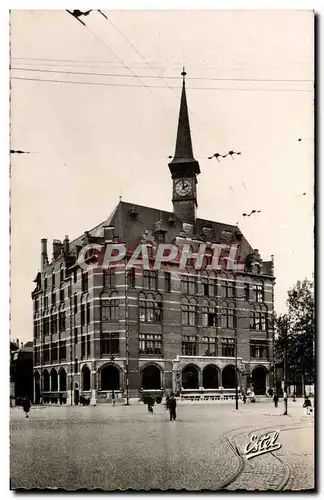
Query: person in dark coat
point(26, 406)
point(150, 404)
point(275, 399)
point(244, 398)
point(308, 405)
point(172, 405)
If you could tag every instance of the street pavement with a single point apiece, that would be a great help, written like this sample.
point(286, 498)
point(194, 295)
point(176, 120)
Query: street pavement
point(125, 447)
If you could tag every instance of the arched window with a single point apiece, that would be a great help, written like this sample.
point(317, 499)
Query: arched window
point(62, 379)
point(53, 380)
point(53, 278)
point(86, 375)
point(210, 377)
point(228, 377)
point(109, 307)
point(110, 378)
point(151, 377)
point(46, 379)
point(61, 274)
point(190, 377)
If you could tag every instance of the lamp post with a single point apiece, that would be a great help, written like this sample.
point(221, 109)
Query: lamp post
point(285, 371)
point(126, 338)
point(236, 388)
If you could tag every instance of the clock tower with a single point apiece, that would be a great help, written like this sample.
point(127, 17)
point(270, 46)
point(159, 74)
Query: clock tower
point(183, 167)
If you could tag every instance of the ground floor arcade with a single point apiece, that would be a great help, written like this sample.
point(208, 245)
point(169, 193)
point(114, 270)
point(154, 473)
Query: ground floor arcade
point(98, 381)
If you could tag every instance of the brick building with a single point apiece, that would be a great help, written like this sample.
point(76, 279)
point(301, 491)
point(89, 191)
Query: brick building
point(135, 331)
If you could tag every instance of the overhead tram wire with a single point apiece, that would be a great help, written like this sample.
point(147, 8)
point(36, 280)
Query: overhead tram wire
point(157, 86)
point(42, 70)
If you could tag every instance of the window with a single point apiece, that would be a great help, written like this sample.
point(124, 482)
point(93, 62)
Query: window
point(247, 291)
point(110, 308)
point(75, 335)
point(76, 365)
point(150, 343)
point(36, 356)
point(228, 347)
point(258, 290)
point(36, 329)
point(75, 304)
point(84, 282)
point(209, 314)
point(45, 302)
point(46, 326)
point(209, 286)
point(62, 350)
point(109, 278)
point(61, 275)
point(53, 299)
point(228, 316)
point(61, 294)
point(54, 324)
point(167, 281)
point(258, 319)
point(62, 322)
point(150, 308)
point(53, 279)
point(258, 349)
point(149, 280)
point(36, 305)
point(131, 278)
point(189, 284)
point(189, 345)
point(228, 289)
point(83, 346)
point(75, 275)
point(209, 346)
point(45, 283)
point(82, 314)
point(88, 347)
point(189, 312)
point(88, 313)
point(54, 353)
point(109, 343)
point(46, 353)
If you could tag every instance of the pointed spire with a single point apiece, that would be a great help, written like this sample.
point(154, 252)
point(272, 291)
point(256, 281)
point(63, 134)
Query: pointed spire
point(183, 149)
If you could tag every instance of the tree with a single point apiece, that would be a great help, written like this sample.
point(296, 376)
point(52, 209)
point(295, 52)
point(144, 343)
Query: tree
point(299, 323)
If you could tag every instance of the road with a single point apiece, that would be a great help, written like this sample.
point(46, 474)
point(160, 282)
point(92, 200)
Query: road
point(127, 448)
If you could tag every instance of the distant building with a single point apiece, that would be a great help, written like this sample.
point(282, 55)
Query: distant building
point(21, 370)
point(152, 331)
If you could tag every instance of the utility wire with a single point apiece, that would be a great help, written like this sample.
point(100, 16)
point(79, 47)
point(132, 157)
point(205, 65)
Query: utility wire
point(156, 86)
point(41, 70)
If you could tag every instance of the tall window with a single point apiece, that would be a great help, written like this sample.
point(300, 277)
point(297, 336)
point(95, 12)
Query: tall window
point(61, 275)
point(189, 284)
point(36, 329)
point(53, 299)
point(82, 315)
point(75, 275)
point(258, 349)
point(54, 353)
point(84, 283)
point(247, 291)
point(45, 302)
point(36, 305)
point(149, 280)
point(131, 278)
point(45, 283)
point(209, 286)
point(209, 314)
point(36, 356)
point(189, 345)
point(110, 308)
point(167, 281)
point(228, 316)
point(62, 321)
point(75, 306)
point(228, 289)
point(209, 346)
point(258, 290)
point(46, 353)
point(46, 326)
point(61, 294)
point(54, 324)
point(150, 343)
point(88, 346)
point(88, 313)
point(53, 279)
point(258, 319)
point(62, 350)
point(109, 278)
point(150, 308)
point(189, 312)
point(75, 335)
point(83, 346)
point(228, 347)
point(109, 343)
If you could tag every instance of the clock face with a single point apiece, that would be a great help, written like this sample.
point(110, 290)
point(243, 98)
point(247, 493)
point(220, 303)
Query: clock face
point(183, 187)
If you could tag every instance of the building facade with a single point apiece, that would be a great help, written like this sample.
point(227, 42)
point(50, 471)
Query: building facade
point(131, 331)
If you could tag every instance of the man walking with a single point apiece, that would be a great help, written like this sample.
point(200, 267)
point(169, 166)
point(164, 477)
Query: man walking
point(26, 406)
point(275, 399)
point(172, 405)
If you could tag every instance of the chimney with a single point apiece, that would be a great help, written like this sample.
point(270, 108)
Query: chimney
point(272, 265)
point(44, 257)
point(66, 246)
point(56, 248)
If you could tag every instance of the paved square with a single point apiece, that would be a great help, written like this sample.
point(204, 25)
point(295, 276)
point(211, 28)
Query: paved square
point(125, 447)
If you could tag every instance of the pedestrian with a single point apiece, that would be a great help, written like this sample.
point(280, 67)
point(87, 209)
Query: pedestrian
point(26, 406)
point(244, 398)
point(172, 405)
point(167, 399)
point(113, 398)
point(150, 404)
point(307, 405)
point(275, 399)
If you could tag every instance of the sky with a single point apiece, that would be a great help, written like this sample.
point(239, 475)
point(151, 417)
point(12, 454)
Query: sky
point(249, 89)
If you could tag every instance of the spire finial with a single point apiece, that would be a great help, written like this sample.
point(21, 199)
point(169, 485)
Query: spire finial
point(183, 74)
